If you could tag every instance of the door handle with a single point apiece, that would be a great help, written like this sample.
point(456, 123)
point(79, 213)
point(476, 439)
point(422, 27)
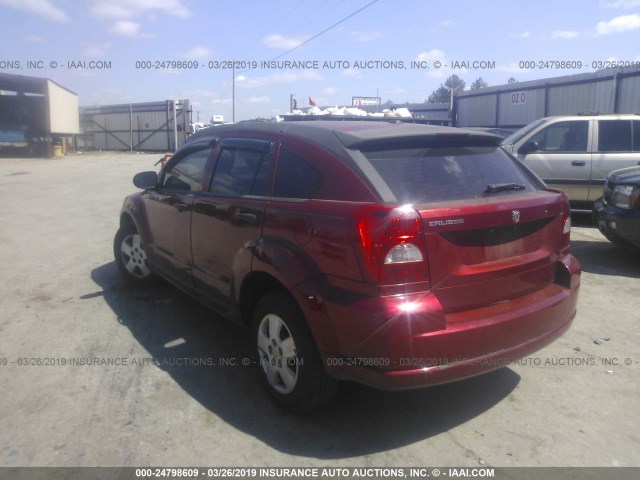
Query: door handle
point(578, 163)
point(246, 217)
point(181, 207)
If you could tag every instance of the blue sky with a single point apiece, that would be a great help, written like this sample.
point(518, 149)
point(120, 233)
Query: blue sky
point(123, 32)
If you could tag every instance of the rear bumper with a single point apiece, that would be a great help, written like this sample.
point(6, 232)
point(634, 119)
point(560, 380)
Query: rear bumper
point(406, 341)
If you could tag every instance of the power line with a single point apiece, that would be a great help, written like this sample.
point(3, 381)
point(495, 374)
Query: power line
point(325, 30)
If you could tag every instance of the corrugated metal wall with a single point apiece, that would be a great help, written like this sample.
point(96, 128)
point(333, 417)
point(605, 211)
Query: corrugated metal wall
point(629, 95)
point(517, 104)
point(134, 127)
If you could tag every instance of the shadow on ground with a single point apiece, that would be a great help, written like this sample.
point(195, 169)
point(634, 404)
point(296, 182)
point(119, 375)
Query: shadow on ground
point(603, 257)
point(360, 421)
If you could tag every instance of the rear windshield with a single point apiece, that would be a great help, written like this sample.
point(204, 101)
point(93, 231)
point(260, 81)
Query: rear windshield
point(434, 174)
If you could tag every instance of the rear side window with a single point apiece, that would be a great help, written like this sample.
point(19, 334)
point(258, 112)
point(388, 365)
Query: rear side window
point(241, 171)
point(614, 135)
point(295, 177)
point(563, 137)
point(636, 136)
point(423, 175)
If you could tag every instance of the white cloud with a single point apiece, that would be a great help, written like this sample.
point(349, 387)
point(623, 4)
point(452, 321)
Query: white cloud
point(222, 101)
point(285, 43)
point(125, 28)
point(97, 50)
point(352, 73)
point(564, 34)
point(526, 34)
point(243, 81)
point(365, 37)
point(395, 91)
point(448, 23)
point(431, 56)
point(43, 8)
point(261, 100)
point(620, 24)
point(198, 52)
point(135, 8)
point(329, 91)
point(35, 39)
point(625, 4)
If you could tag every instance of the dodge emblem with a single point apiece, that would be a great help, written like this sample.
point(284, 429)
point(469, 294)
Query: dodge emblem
point(515, 214)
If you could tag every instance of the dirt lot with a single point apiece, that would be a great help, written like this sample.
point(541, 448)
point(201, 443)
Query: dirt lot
point(65, 312)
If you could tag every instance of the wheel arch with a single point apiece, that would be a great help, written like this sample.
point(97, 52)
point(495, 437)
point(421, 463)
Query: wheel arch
point(307, 296)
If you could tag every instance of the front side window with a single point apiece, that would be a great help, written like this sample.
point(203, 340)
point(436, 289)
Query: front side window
point(186, 175)
point(241, 171)
point(614, 136)
point(563, 137)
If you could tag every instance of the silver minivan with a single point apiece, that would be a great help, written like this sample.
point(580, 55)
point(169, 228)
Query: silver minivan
point(575, 153)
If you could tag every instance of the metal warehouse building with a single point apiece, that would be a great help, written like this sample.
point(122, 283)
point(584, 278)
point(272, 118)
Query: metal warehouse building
point(517, 104)
point(36, 114)
point(152, 126)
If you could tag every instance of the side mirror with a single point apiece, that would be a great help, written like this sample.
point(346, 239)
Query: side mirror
point(146, 180)
point(528, 147)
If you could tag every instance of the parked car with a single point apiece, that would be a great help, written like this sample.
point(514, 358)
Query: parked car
point(576, 152)
point(396, 255)
point(617, 212)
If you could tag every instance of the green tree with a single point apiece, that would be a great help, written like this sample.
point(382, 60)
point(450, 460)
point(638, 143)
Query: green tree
point(443, 93)
point(478, 83)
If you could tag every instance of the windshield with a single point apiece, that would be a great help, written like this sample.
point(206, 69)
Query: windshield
point(423, 175)
point(518, 134)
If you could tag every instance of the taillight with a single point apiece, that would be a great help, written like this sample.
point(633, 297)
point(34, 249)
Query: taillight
point(566, 226)
point(391, 244)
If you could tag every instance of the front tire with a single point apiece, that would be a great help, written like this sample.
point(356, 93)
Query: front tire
point(130, 255)
point(289, 363)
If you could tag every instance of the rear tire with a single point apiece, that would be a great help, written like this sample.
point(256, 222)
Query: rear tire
point(130, 255)
point(289, 363)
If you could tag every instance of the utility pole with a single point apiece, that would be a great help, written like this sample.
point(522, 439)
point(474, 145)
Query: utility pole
point(233, 92)
point(175, 125)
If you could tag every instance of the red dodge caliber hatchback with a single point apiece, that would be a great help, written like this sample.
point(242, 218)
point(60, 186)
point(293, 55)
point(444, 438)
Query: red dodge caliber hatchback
point(392, 254)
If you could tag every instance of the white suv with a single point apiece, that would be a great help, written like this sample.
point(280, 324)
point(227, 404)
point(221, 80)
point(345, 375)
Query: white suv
point(575, 153)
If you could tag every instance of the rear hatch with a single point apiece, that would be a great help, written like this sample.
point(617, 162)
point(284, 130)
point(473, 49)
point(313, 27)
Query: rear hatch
point(484, 252)
point(491, 230)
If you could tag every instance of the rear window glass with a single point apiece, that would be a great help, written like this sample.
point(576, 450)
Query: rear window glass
point(295, 177)
point(422, 175)
point(614, 136)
